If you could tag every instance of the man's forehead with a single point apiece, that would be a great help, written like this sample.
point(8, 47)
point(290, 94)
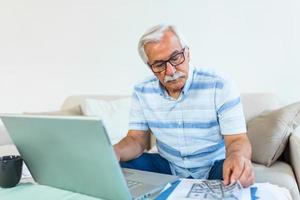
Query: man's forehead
point(163, 49)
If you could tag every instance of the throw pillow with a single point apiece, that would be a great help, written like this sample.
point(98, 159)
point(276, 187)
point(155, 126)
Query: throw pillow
point(114, 115)
point(269, 132)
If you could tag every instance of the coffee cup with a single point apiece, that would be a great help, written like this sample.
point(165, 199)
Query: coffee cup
point(10, 170)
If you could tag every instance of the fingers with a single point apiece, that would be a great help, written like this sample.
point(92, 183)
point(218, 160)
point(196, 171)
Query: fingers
point(226, 173)
point(236, 173)
point(247, 177)
point(238, 168)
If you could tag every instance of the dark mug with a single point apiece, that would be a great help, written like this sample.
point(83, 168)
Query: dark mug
point(10, 170)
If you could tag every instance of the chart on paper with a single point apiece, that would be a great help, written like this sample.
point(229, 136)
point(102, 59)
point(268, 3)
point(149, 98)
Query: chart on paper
point(208, 190)
point(214, 190)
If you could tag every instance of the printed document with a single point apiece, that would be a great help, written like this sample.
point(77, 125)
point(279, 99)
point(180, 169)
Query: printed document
point(209, 190)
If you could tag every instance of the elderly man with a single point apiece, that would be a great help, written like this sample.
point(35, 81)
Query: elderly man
point(195, 114)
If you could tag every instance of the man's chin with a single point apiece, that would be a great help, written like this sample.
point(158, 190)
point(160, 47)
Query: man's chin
point(176, 84)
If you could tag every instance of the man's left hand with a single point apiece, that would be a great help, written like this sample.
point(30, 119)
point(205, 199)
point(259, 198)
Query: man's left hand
point(236, 167)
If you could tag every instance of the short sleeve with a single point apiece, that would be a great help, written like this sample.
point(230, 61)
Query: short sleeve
point(229, 108)
point(137, 119)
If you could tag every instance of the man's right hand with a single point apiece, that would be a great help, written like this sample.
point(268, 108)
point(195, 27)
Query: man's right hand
point(132, 146)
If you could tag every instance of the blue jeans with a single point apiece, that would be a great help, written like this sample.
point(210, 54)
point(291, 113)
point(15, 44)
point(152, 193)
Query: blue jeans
point(156, 163)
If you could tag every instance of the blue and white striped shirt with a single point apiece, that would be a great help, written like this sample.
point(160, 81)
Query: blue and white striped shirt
point(189, 130)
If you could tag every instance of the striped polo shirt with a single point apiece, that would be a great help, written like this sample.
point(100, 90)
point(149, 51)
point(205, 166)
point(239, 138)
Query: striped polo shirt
point(189, 130)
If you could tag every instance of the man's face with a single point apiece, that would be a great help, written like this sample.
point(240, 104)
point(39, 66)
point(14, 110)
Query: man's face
point(168, 48)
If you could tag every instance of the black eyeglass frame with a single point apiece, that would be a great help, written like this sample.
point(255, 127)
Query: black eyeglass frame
point(182, 51)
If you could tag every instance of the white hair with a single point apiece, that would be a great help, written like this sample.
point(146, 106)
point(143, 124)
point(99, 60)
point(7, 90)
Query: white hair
point(154, 34)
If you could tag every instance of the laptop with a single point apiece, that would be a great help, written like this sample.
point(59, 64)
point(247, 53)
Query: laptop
point(75, 153)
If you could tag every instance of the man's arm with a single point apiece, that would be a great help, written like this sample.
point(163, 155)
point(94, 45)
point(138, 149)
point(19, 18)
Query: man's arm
point(132, 146)
point(237, 165)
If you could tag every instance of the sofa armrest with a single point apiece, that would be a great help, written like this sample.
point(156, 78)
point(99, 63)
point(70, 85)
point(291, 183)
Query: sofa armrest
point(294, 152)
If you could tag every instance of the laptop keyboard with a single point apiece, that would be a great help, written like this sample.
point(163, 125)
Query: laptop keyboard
point(132, 184)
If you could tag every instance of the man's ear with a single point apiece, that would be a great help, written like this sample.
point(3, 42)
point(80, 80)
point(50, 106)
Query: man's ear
point(188, 54)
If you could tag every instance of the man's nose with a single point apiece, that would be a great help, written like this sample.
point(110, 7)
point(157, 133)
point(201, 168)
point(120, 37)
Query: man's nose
point(170, 69)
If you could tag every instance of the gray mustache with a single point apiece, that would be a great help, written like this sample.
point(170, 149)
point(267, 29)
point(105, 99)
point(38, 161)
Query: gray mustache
point(177, 74)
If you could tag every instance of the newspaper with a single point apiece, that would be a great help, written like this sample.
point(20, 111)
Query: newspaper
point(207, 190)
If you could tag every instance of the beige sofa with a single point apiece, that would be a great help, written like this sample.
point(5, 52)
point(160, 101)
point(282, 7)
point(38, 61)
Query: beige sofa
point(285, 172)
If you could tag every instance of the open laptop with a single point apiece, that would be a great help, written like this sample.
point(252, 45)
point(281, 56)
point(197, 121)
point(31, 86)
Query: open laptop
point(75, 153)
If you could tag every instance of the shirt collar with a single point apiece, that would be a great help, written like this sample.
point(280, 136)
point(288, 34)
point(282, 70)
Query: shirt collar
point(188, 82)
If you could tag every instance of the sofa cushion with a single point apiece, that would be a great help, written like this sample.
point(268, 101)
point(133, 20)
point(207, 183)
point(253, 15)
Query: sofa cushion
point(269, 132)
point(114, 115)
point(280, 173)
point(294, 153)
point(74, 102)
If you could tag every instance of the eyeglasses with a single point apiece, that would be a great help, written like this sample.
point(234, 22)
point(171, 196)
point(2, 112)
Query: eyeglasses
point(175, 60)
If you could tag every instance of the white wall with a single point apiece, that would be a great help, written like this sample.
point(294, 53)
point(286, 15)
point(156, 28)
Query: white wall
point(52, 49)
